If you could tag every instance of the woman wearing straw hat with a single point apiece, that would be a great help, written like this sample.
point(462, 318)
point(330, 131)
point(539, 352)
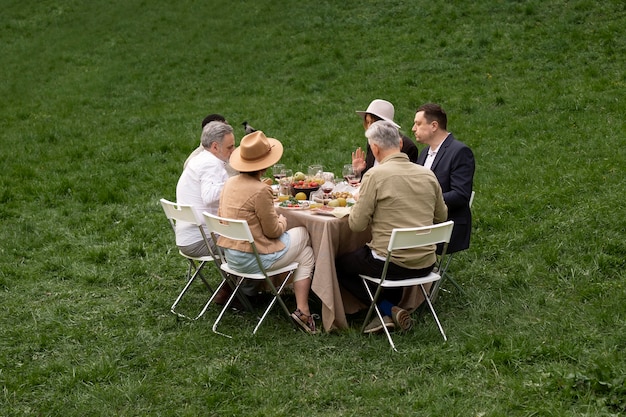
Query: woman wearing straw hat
point(246, 197)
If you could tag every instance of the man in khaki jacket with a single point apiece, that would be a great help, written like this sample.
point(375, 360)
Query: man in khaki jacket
point(395, 193)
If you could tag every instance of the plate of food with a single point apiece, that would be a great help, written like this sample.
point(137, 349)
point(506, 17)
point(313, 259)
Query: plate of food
point(294, 204)
point(336, 194)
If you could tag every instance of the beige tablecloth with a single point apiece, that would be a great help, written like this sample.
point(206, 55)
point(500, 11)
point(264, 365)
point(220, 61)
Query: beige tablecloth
point(331, 237)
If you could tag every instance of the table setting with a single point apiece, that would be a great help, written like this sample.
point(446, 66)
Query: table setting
point(318, 191)
point(324, 211)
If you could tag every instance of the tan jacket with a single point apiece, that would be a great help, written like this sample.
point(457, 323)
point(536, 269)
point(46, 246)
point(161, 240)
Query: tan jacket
point(398, 193)
point(246, 198)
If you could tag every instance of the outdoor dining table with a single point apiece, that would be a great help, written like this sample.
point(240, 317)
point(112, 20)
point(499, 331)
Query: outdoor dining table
point(330, 237)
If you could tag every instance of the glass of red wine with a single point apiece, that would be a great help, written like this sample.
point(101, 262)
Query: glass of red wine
point(328, 185)
point(350, 175)
point(278, 171)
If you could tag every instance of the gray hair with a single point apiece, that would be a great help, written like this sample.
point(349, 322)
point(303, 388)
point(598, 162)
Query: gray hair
point(384, 134)
point(214, 132)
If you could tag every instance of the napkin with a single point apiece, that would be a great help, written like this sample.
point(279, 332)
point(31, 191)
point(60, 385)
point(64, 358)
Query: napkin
point(340, 212)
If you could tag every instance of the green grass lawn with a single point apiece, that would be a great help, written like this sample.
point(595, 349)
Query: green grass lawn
point(102, 102)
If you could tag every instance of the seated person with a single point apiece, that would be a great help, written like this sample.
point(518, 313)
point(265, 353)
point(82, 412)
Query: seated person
point(395, 193)
point(246, 197)
point(208, 119)
point(201, 183)
point(379, 110)
point(453, 164)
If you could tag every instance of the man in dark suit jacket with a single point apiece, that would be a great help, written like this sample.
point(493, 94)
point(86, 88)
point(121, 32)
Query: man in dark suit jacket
point(379, 110)
point(453, 164)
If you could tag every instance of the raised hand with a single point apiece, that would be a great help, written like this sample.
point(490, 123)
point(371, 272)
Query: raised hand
point(358, 160)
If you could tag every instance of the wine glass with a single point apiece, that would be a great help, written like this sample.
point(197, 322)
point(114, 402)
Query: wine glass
point(328, 185)
point(348, 173)
point(278, 171)
point(285, 181)
point(357, 177)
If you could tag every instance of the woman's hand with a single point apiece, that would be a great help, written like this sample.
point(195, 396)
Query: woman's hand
point(358, 160)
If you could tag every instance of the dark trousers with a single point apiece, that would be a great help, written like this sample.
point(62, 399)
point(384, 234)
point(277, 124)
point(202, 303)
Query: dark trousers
point(361, 261)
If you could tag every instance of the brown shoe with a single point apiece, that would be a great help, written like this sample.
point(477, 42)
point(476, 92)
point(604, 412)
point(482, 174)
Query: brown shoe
point(223, 294)
point(375, 326)
point(401, 318)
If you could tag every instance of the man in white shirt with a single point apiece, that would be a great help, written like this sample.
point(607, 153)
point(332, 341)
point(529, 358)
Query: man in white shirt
point(214, 117)
point(201, 183)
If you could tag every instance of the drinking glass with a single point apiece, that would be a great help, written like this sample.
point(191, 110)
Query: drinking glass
point(348, 173)
point(278, 171)
point(328, 185)
point(285, 181)
point(315, 171)
point(357, 177)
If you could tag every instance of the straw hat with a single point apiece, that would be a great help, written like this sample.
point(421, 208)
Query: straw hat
point(256, 152)
point(382, 109)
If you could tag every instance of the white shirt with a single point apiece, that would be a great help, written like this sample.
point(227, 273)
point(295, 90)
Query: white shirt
point(200, 185)
point(428, 163)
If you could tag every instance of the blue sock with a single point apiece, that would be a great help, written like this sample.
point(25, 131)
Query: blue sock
point(385, 307)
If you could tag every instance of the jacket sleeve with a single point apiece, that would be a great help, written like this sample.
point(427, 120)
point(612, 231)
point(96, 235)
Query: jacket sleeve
point(362, 212)
point(461, 179)
point(273, 226)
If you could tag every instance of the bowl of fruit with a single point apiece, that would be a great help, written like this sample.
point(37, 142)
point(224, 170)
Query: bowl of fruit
point(301, 184)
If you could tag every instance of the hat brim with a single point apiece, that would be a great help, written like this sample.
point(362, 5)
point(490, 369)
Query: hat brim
point(363, 113)
point(267, 161)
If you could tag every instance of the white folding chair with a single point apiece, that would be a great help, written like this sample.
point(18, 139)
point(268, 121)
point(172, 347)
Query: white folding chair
point(445, 275)
point(239, 230)
point(184, 213)
point(407, 238)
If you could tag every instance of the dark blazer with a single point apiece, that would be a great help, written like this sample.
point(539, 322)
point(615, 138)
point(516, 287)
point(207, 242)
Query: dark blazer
point(408, 147)
point(454, 168)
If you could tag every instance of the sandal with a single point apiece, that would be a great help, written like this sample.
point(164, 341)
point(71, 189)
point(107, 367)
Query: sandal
point(307, 323)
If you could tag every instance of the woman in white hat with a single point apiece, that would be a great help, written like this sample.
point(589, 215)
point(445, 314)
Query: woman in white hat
point(379, 109)
point(246, 197)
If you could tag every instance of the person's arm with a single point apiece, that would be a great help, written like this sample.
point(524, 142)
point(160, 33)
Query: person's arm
point(461, 179)
point(362, 212)
point(273, 225)
point(212, 179)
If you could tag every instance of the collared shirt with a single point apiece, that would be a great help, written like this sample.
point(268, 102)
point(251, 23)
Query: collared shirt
point(398, 193)
point(199, 185)
point(432, 154)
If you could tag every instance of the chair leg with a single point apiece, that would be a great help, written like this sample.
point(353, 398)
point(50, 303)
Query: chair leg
point(225, 308)
point(432, 310)
point(374, 307)
point(197, 273)
point(276, 297)
point(235, 293)
point(208, 303)
point(434, 292)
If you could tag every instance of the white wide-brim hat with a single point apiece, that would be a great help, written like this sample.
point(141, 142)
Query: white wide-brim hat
point(382, 109)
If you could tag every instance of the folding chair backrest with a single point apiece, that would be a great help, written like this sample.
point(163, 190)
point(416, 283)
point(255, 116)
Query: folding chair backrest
point(230, 228)
point(179, 212)
point(420, 236)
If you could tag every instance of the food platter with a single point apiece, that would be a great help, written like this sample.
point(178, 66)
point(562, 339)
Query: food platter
point(292, 204)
